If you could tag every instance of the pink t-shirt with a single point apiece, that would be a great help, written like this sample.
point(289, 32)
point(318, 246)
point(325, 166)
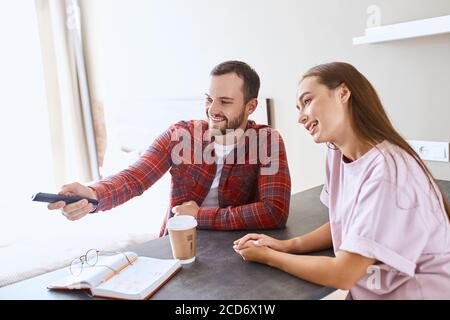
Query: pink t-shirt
point(383, 206)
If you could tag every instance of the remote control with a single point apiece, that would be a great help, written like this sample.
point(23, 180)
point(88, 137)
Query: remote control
point(51, 197)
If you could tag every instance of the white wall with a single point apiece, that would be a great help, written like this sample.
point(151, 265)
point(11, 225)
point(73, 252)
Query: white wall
point(160, 49)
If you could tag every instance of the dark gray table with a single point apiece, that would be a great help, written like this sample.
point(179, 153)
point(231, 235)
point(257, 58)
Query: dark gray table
point(218, 272)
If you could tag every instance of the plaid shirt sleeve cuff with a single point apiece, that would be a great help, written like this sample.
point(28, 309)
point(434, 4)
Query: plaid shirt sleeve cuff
point(102, 195)
point(205, 217)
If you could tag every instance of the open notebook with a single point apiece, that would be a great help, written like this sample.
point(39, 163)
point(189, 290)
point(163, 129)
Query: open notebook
point(140, 280)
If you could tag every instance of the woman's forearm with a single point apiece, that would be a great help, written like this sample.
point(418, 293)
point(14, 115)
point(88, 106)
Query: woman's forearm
point(317, 269)
point(341, 272)
point(319, 239)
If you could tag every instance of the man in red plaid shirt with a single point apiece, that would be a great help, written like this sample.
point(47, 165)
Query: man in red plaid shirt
point(228, 172)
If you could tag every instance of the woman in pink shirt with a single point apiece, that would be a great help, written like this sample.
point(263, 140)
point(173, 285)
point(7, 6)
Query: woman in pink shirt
point(389, 223)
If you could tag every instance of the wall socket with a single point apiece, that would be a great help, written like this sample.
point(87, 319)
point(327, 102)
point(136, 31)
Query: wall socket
point(431, 150)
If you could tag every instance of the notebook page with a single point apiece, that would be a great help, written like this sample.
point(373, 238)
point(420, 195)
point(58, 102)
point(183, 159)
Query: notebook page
point(138, 280)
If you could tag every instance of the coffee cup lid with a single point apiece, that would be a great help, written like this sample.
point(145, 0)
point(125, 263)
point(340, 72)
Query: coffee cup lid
point(182, 222)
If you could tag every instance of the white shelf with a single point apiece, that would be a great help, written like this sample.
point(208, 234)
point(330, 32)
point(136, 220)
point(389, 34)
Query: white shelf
point(405, 30)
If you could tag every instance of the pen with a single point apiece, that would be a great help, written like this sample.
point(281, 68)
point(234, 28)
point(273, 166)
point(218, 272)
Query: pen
point(109, 276)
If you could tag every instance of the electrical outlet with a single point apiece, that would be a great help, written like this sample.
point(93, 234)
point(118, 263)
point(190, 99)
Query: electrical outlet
point(431, 150)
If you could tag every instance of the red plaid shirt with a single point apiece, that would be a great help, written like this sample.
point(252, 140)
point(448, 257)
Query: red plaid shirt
point(247, 198)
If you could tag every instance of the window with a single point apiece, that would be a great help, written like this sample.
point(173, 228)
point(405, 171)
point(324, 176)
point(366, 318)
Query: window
point(34, 240)
point(26, 162)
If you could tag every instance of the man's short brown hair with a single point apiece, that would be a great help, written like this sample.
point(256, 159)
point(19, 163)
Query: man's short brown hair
point(245, 72)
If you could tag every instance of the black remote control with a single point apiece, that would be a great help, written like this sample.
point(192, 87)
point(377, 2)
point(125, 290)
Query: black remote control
point(51, 197)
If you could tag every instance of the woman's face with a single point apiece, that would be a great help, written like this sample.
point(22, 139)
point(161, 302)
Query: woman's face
point(323, 112)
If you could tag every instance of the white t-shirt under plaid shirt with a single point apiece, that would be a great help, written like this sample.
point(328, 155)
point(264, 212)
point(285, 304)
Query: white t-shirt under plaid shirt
point(212, 198)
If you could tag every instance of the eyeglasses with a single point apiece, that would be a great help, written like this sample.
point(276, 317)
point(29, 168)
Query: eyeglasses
point(91, 259)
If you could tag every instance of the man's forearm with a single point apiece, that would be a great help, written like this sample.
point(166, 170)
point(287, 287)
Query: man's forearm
point(257, 215)
point(137, 178)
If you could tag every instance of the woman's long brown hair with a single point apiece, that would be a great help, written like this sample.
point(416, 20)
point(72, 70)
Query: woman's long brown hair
point(369, 119)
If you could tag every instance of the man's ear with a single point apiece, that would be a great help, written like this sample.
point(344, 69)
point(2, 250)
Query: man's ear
point(251, 105)
point(344, 93)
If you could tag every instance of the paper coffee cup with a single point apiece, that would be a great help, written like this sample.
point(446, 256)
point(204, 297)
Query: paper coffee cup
point(183, 237)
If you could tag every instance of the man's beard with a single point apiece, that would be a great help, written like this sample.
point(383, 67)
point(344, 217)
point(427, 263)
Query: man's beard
point(228, 124)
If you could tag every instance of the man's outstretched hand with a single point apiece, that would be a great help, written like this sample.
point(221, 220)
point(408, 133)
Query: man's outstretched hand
point(76, 210)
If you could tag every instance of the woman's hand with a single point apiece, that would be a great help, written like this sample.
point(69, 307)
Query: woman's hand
point(262, 240)
point(251, 251)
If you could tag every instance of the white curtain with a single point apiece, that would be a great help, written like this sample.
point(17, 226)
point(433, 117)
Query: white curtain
point(47, 134)
point(71, 123)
